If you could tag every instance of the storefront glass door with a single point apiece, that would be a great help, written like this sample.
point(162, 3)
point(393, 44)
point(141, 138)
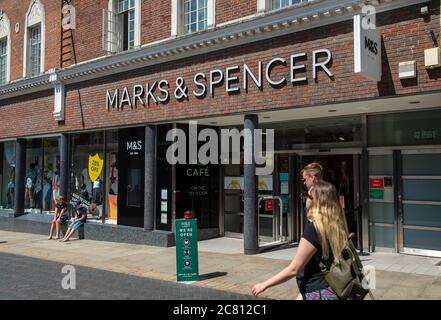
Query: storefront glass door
point(421, 202)
point(276, 210)
point(275, 206)
point(342, 170)
point(7, 175)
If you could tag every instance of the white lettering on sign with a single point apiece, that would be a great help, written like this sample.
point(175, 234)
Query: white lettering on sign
point(277, 73)
point(134, 145)
point(203, 172)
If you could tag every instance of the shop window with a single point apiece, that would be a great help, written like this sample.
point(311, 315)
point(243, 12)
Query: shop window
point(94, 174)
point(87, 172)
point(51, 174)
point(112, 176)
point(330, 132)
point(197, 188)
point(405, 129)
point(33, 177)
point(4, 48)
point(34, 46)
point(122, 25)
point(164, 190)
point(7, 175)
point(42, 179)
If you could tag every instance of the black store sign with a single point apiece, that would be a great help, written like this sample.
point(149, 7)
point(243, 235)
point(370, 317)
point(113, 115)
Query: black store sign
point(131, 178)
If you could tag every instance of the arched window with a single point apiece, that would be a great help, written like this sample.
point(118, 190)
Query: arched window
point(5, 48)
point(34, 40)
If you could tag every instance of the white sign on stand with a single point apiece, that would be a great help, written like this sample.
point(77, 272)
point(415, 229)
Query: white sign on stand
point(367, 48)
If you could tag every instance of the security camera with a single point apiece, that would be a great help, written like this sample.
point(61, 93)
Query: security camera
point(425, 10)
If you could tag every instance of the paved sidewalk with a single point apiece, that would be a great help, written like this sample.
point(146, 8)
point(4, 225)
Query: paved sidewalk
point(233, 272)
point(46, 280)
point(380, 260)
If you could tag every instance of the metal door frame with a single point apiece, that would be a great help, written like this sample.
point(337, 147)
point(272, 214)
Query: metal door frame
point(361, 152)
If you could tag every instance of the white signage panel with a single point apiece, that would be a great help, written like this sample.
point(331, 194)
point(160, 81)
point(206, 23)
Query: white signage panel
point(367, 48)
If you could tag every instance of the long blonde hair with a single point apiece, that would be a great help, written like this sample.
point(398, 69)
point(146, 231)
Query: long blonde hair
point(329, 219)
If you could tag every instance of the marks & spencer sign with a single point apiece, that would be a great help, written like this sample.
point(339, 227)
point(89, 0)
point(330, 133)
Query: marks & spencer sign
point(367, 47)
point(234, 80)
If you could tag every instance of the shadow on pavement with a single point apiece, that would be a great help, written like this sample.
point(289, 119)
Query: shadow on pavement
point(212, 275)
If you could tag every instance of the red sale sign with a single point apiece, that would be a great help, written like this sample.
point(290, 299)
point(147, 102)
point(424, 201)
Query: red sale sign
point(376, 183)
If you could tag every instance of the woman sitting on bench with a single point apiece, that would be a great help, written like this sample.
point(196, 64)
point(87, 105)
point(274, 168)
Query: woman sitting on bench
point(80, 220)
point(60, 216)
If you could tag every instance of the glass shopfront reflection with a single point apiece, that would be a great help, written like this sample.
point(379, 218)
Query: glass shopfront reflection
point(87, 174)
point(42, 180)
point(34, 173)
point(7, 175)
point(51, 174)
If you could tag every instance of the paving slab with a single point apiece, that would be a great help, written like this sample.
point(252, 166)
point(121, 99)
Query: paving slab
point(237, 272)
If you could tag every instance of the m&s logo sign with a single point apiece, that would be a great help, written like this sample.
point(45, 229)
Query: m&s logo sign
point(371, 45)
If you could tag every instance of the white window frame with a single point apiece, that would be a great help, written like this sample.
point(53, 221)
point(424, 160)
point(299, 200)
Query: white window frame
point(34, 16)
point(113, 7)
point(177, 17)
point(5, 32)
point(289, 5)
point(267, 5)
point(263, 5)
point(128, 27)
point(30, 50)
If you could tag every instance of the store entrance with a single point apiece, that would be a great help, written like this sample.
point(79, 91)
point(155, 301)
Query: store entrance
point(343, 171)
point(276, 205)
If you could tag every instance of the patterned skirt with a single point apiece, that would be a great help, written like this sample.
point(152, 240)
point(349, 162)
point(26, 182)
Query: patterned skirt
point(322, 294)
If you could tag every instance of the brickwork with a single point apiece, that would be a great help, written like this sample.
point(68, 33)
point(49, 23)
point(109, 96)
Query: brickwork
point(17, 14)
point(228, 10)
point(405, 35)
point(156, 21)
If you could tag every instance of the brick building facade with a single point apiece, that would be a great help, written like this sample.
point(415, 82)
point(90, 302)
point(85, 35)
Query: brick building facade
point(92, 96)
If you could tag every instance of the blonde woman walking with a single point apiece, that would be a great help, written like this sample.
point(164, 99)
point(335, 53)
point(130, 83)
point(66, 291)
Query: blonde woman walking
point(324, 236)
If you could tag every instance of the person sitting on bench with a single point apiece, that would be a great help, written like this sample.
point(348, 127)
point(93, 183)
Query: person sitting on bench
point(77, 222)
point(60, 217)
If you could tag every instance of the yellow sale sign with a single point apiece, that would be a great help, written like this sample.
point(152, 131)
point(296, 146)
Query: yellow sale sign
point(95, 167)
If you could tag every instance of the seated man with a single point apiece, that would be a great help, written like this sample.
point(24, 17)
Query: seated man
point(77, 222)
